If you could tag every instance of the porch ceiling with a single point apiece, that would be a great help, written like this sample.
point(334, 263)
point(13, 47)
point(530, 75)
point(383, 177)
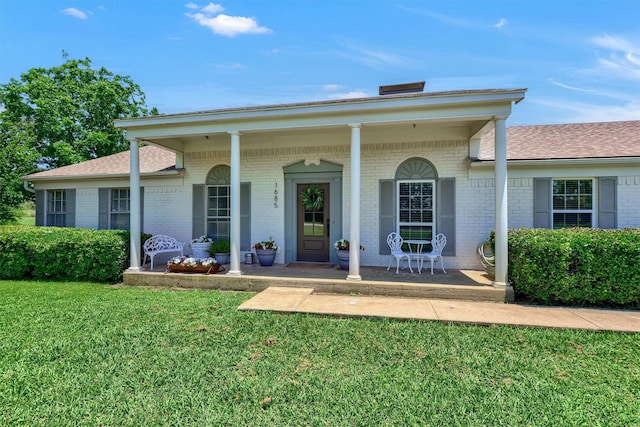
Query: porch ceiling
point(250, 138)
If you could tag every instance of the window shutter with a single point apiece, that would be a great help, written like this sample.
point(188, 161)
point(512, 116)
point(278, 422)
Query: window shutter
point(70, 220)
point(103, 208)
point(607, 195)
point(446, 219)
point(542, 203)
point(387, 208)
point(198, 224)
point(245, 216)
point(41, 207)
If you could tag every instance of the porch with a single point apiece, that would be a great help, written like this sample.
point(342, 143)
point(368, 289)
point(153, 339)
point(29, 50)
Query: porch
point(325, 278)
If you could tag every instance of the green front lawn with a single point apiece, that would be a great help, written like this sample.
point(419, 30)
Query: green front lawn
point(90, 354)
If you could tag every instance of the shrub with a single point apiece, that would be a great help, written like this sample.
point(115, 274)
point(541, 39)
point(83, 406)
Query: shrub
point(576, 266)
point(63, 253)
point(220, 247)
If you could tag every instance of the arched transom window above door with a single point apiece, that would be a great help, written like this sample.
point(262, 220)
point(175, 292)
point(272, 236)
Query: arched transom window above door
point(218, 203)
point(416, 199)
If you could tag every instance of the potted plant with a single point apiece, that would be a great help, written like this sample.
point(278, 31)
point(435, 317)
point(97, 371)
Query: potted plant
point(342, 252)
point(221, 250)
point(266, 251)
point(200, 246)
point(183, 264)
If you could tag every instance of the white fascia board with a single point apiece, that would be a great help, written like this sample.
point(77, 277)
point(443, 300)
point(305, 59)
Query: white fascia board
point(302, 115)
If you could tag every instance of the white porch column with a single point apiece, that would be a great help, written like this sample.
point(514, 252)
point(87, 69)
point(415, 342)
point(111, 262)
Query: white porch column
point(234, 267)
point(354, 226)
point(501, 250)
point(134, 209)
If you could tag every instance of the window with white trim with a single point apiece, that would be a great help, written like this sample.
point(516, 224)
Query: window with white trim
point(218, 212)
point(56, 208)
point(219, 203)
point(120, 209)
point(416, 209)
point(573, 203)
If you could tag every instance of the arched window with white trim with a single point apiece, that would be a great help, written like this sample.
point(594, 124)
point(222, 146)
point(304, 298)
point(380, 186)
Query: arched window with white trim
point(416, 199)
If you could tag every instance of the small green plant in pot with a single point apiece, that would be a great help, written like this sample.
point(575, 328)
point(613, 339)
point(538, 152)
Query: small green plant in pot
point(221, 250)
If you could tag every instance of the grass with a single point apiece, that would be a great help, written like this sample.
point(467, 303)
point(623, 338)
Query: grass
point(26, 214)
point(89, 354)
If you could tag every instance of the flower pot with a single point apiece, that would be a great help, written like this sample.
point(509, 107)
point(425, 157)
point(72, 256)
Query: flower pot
point(343, 259)
point(200, 250)
point(266, 257)
point(222, 258)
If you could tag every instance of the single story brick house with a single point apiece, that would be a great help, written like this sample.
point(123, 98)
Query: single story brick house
point(417, 163)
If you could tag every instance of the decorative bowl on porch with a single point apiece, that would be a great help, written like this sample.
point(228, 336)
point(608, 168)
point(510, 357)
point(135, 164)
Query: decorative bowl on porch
point(266, 252)
point(200, 246)
point(342, 253)
point(183, 264)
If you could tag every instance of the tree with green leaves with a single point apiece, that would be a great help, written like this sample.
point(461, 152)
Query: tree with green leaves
point(61, 116)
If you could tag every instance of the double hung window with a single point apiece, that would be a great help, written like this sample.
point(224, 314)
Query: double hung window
point(416, 209)
point(56, 208)
point(120, 209)
point(572, 203)
point(218, 212)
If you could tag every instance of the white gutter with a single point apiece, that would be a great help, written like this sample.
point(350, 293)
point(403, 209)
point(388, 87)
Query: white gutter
point(616, 161)
point(166, 174)
point(331, 108)
point(28, 186)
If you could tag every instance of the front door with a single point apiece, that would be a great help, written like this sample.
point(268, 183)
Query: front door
point(313, 222)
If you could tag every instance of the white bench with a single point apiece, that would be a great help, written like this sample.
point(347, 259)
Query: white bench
point(160, 244)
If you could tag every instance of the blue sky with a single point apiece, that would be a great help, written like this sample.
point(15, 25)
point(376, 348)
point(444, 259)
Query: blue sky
point(579, 59)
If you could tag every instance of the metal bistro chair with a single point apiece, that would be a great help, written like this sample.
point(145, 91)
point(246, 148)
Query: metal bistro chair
point(438, 245)
point(394, 240)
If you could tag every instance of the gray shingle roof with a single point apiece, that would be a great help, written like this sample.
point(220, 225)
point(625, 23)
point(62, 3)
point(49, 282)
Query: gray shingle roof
point(152, 159)
point(568, 141)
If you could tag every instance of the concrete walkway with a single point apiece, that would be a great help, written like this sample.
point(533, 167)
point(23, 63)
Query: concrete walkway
point(304, 300)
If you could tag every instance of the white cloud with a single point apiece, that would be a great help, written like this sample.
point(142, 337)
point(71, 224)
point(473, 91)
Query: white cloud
point(569, 87)
point(580, 112)
point(225, 25)
point(374, 58)
point(191, 5)
point(212, 8)
point(331, 87)
point(232, 66)
point(622, 61)
point(613, 43)
point(76, 13)
point(632, 58)
point(501, 23)
point(349, 95)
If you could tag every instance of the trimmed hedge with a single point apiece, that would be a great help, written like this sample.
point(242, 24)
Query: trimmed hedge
point(578, 266)
point(53, 253)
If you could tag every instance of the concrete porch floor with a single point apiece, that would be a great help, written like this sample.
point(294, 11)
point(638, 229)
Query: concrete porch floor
point(329, 279)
